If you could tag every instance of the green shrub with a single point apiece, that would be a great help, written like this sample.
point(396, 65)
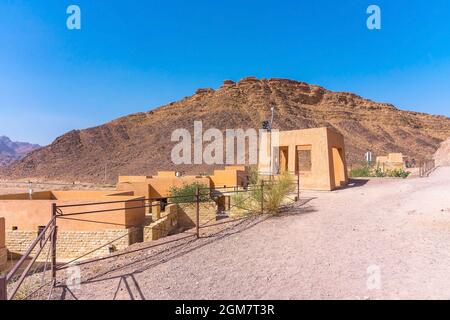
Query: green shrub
point(254, 177)
point(367, 171)
point(397, 173)
point(360, 172)
point(187, 193)
point(276, 192)
point(272, 194)
point(242, 204)
point(379, 173)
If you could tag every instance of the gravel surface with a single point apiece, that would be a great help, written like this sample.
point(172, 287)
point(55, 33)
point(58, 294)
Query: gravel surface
point(383, 238)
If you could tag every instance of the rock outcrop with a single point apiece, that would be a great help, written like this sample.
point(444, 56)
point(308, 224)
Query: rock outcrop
point(141, 143)
point(442, 155)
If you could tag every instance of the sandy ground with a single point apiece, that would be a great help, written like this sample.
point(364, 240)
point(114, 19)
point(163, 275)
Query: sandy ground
point(383, 238)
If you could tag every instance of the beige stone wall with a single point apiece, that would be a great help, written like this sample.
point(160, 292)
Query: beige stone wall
point(231, 176)
point(159, 186)
point(337, 161)
point(165, 225)
point(391, 161)
point(178, 217)
point(28, 215)
point(123, 179)
point(139, 188)
point(74, 244)
point(187, 214)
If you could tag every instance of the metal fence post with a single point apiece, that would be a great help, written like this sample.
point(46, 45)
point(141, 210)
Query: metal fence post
point(197, 211)
point(262, 196)
point(3, 288)
point(53, 243)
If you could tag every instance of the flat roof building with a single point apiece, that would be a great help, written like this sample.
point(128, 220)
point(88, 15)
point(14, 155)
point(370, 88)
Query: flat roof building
point(317, 155)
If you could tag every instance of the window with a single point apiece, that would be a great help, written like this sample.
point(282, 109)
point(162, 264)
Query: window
point(303, 163)
point(40, 230)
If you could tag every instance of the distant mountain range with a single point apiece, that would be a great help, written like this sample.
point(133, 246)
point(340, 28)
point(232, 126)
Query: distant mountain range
point(11, 151)
point(141, 143)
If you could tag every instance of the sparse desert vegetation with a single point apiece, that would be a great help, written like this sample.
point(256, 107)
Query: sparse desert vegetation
point(376, 171)
point(319, 248)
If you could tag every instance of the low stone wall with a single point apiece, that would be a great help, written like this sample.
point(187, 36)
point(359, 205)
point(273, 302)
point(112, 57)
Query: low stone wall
point(89, 244)
point(392, 166)
point(165, 225)
point(182, 216)
point(187, 214)
point(74, 244)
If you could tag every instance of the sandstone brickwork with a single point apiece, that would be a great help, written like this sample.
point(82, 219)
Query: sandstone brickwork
point(187, 214)
point(75, 244)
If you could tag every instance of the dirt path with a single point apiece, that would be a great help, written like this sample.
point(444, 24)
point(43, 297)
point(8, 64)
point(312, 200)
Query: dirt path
point(399, 229)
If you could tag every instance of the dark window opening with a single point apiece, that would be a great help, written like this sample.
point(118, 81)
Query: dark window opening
point(304, 162)
point(163, 204)
point(40, 230)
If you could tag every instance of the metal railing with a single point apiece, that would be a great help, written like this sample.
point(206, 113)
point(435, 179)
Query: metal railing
point(16, 276)
point(14, 279)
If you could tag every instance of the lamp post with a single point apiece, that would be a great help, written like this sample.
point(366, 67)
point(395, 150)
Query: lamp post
point(267, 125)
point(272, 109)
point(368, 157)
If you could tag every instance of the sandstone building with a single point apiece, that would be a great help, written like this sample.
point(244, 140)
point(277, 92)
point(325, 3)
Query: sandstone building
point(317, 155)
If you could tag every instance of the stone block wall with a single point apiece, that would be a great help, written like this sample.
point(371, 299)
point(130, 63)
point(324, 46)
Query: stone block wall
point(164, 225)
point(178, 217)
point(187, 214)
point(74, 244)
point(89, 244)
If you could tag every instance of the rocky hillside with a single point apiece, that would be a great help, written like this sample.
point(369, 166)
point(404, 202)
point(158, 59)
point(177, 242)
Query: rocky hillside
point(11, 151)
point(442, 155)
point(140, 143)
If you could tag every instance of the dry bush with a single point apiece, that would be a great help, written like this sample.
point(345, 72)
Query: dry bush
point(277, 191)
point(273, 194)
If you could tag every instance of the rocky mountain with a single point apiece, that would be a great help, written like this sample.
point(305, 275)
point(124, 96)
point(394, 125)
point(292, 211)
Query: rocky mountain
point(442, 155)
point(11, 151)
point(140, 143)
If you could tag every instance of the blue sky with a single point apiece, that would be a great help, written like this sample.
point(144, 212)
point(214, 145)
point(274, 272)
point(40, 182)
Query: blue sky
point(132, 56)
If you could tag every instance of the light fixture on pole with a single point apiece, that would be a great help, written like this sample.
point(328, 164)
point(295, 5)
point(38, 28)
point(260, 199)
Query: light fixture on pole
point(272, 109)
point(267, 125)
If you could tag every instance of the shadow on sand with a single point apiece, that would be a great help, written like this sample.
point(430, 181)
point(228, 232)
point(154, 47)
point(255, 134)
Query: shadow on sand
point(355, 183)
point(150, 259)
point(125, 269)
